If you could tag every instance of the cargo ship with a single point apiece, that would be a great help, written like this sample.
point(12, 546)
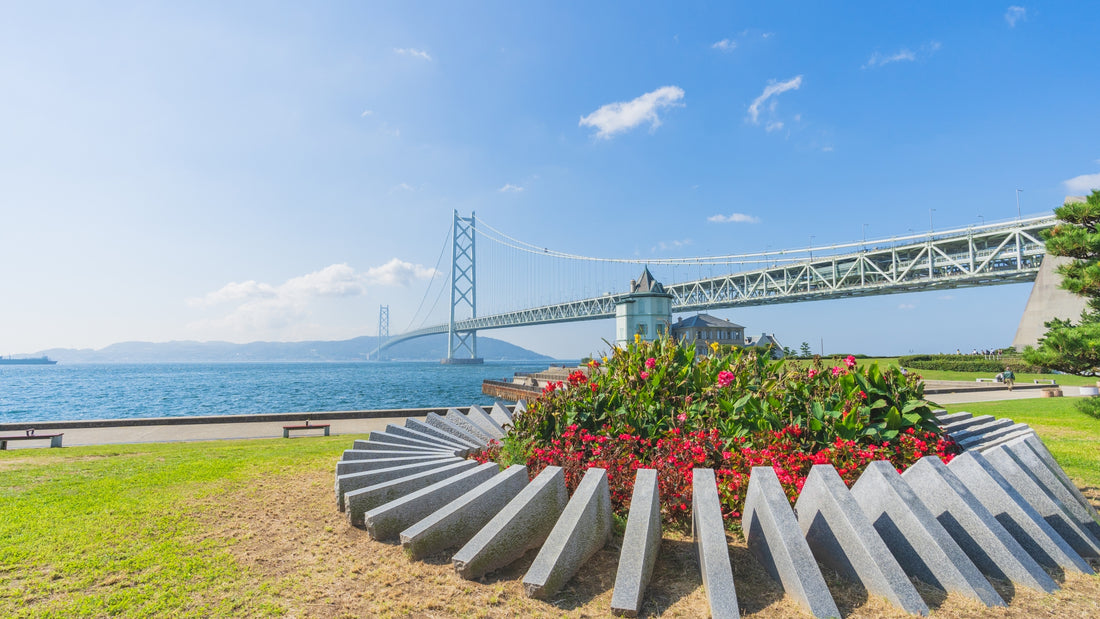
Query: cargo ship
point(9, 360)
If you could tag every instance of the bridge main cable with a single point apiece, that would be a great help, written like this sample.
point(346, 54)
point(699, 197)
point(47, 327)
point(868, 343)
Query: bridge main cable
point(989, 254)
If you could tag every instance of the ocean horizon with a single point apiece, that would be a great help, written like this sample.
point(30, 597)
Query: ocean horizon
point(71, 392)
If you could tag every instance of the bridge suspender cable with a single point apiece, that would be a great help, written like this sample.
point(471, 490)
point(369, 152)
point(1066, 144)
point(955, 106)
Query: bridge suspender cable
point(435, 271)
point(788, 255)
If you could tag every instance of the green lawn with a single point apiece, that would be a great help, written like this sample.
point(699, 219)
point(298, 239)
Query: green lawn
point(117, 530)
point(1061, 379)
point(1071, 436)
point(97, 531)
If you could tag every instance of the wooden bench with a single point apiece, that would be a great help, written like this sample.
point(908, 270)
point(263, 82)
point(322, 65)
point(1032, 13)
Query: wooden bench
point(306, 426)
point(55, 439)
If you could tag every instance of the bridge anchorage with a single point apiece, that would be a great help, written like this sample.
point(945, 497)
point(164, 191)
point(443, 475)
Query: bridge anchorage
point(979, 255)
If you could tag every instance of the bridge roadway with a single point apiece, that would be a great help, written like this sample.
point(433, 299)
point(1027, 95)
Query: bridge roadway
point(990, 254)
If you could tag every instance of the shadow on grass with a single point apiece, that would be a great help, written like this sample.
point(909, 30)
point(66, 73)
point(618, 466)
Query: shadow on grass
point(675, 577)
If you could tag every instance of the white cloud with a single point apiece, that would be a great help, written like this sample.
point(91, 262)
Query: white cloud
point(622, 116)
point(402, 187)
point(827, 149)
point(667, 245)
point(235, 291)
point(261, 307)
point(336, 280)
point(879, 59)
point(725, 45)
point(734, 218)
point(774, 125)
point(413, 52)
point(906, 306)
point(946, 297)
point(510, 188)
point(771, 90)
point(397, 272)
point(1083, 184)
point(366, 113)
point(1015, 14)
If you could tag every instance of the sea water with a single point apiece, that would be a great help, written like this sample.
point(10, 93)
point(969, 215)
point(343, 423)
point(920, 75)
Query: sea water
point(119, 391)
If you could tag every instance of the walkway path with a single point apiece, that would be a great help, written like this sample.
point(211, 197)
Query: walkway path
point(268, 428)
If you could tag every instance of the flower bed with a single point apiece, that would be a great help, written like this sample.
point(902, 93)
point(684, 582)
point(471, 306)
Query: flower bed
point(656, 405)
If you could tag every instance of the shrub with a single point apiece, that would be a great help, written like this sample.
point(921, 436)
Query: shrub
point(967, 363)
point(656, 405)
point(1089, 406)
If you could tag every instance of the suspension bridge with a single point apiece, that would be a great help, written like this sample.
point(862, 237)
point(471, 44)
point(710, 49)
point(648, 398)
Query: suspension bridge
point(979, 255)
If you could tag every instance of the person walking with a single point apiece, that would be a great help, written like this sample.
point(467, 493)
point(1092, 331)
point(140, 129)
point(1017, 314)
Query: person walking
point(1009, 378)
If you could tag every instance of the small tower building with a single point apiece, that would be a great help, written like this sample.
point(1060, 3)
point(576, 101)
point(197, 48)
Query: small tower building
point(646, 311)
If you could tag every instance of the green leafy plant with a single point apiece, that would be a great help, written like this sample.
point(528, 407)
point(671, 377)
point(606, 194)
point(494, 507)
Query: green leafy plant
point(660, 405)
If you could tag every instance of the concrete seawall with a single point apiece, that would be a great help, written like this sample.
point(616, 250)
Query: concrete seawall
point(216, 419)
point(512, 392)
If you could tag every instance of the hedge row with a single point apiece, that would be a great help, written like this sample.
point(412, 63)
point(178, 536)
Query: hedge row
point(967, 363)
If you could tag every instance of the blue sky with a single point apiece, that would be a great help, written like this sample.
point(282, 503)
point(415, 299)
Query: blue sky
point(247, 171)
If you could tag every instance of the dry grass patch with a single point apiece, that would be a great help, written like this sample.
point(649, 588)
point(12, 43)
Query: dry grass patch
point(287, 532)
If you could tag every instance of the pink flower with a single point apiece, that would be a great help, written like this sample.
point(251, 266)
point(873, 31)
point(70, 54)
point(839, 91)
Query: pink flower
point(681, 417)
point(725, 377)
point(650, 363)
point(850, 361)
point(813, 372)
point(644, 375)
point(836, 371)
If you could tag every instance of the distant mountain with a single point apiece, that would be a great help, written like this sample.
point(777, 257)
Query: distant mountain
point(429, 348)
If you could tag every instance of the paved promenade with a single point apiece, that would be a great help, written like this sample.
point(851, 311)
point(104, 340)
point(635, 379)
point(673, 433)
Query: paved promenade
point(995, 395)
point(213, 431)
point(225, 427)
point(271, 426)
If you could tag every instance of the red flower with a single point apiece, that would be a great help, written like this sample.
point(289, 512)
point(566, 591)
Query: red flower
point(725, 377)
point(644, 375)
point(850, 361)
point(650, 363)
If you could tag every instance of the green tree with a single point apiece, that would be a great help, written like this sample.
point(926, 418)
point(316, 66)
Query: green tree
point(1070, 347)
point(805, 349)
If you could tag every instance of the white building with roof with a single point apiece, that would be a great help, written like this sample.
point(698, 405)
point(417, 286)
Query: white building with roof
point(646, 311)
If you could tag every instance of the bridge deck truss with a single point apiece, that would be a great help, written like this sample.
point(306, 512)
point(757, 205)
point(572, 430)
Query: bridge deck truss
point(980, 256)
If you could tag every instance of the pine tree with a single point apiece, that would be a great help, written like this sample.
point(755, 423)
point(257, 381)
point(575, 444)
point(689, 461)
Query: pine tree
point(1069, 347)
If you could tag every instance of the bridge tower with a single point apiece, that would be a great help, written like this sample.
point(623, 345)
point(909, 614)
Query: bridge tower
point(383, 329)
point(463, 291)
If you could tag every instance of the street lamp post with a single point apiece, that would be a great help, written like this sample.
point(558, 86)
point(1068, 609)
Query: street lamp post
point(931, 228)
point(1018, 204)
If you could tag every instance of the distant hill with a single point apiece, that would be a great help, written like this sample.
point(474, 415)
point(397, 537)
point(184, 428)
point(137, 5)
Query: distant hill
point(429, 348)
